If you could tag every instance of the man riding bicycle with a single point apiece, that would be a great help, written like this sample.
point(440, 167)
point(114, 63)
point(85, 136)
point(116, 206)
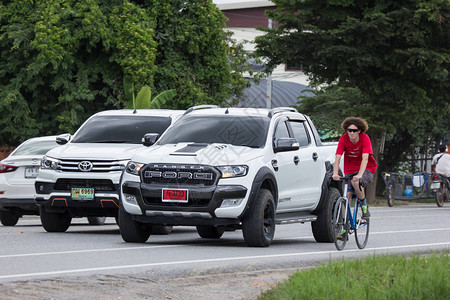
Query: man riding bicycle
point(356, 147)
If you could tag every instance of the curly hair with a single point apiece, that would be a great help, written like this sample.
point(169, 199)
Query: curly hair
point(358, 122)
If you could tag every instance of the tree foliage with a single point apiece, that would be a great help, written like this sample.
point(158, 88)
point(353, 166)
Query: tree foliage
point(386, 61)
point(63, 60)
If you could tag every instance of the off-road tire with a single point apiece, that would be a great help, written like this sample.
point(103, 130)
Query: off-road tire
point(54, 222)
point(322, 228)
point(210, 232)
point(8, 218)
point(132, 231)
point(259, 227)
point(96, 220)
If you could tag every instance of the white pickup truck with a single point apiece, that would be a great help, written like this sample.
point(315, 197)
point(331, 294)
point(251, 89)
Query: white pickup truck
point(81, 178)
point(231, 168)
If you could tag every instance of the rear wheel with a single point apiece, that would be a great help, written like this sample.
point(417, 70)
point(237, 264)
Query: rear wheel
point(259, 227)
point(8, 218)
point(439, 195)
point(161, 229)
point(96, 220)
point(390, 191)
point(54, 222)
point(362, 229)
point(321, 228)
point(210, 232)
point(132, 231)
point(340, 224)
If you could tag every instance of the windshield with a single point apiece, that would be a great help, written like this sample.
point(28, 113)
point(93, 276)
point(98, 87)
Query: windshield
point(120, 129)
point(35, 147)
point(234, 130)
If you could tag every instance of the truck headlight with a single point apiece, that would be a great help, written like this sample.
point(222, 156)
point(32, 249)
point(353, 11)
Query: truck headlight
point(233, 171)
point(134, 167)
point(49, 163)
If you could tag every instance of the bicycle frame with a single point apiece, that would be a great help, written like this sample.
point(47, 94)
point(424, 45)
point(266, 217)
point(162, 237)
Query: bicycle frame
point(348, 212)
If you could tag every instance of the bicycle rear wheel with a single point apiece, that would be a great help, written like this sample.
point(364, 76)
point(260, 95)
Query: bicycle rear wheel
point(340, 223)
point(362, 228)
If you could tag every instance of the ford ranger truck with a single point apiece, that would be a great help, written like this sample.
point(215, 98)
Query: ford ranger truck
point(81, 178)
point(224, 169)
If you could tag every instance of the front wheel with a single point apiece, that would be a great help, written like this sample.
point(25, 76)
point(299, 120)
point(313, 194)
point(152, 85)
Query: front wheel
point(439, 196)
point(54, 222)
point(132, 231)
point(8, 218)
point(340, 223)
point(390, 190)
point(259, 227)
point(362, 229)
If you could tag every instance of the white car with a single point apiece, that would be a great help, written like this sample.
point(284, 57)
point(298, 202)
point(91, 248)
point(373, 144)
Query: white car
point(81, 178)
point(17, 176)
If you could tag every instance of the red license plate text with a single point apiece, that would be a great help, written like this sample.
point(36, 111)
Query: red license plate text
point(174, 195)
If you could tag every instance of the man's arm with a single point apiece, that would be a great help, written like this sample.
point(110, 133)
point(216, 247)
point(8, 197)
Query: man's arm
point(336, 167)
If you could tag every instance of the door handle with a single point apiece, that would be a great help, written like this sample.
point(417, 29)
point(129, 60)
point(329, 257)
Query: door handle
point(296, 160)
point(274, 164)
point(315, 156)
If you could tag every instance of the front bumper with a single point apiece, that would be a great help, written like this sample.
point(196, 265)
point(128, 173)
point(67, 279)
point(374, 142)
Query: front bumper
point(200, 209)
point(57, 197)
point(26, 205)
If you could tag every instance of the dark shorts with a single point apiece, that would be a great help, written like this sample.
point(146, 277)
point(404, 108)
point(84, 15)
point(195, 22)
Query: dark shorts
point(366, 178)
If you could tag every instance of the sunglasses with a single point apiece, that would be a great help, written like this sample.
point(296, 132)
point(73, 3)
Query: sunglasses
point(352, 130)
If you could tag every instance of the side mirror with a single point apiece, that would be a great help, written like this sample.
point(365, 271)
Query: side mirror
point(285, 144)
point(149, 139)
point(63, 139)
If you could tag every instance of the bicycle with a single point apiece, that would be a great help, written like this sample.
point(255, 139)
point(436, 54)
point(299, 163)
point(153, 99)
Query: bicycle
point(343, 219)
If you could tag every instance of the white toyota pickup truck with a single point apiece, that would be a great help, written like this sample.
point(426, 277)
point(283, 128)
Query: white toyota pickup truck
point(81, 178)
point(231, 168)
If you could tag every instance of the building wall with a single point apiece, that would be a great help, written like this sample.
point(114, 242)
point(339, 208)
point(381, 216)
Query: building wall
point(248, 17)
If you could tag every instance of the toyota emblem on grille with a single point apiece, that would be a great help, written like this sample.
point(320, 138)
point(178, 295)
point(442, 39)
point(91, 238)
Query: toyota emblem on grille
point(85, 166)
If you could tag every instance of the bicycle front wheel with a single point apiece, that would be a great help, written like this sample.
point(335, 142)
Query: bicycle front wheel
point(340, 223)
point(361, 228)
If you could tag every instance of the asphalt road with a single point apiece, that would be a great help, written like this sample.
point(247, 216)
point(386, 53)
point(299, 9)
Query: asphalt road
point(28, 253)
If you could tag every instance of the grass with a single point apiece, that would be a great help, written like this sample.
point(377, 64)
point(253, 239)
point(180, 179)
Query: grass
point(374, 277)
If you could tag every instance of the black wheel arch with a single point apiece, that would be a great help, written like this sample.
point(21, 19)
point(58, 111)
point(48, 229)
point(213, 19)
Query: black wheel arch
point(326, 184)
point(264, 179)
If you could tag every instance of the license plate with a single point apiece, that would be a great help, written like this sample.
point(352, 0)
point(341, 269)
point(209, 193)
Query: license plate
point(175, 195)
point(82, 193)
point(435, 185)
point(31, 172)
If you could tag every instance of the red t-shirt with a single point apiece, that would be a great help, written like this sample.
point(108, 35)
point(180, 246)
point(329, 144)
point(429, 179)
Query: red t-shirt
point(353, 153)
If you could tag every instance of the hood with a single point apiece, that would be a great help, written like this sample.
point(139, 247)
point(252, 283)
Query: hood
point(105, 151)
point(204, 154)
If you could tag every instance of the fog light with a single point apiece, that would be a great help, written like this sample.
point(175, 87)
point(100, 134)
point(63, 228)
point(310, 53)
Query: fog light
point(130, 199)
point(231, 202)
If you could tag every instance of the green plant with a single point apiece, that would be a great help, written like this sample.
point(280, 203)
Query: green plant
point(143, 99)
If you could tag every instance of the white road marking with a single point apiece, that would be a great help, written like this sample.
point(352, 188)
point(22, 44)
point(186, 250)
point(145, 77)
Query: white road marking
point(329, 252)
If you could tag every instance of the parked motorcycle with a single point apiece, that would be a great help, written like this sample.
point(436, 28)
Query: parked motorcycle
point(440, 186)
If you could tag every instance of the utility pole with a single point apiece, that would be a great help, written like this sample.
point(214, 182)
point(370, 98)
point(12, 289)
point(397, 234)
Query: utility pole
point(269, 79)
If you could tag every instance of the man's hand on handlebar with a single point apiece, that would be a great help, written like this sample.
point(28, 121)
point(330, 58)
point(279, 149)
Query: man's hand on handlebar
point(336, 177)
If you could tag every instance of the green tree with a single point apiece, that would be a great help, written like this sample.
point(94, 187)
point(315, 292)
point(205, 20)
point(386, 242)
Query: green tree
point(194, 52)
point(63, 60)
point(395, 53)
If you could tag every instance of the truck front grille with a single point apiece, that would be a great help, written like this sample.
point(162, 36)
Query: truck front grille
point(179, 174)
point(73, 165)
